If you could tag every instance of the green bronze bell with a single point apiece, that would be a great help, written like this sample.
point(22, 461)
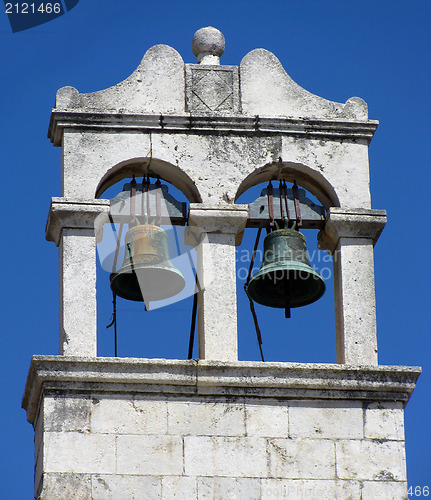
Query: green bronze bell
point(147, 273)
point(285, 278)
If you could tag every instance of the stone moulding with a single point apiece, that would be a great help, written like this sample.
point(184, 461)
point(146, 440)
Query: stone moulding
point(198, 377)
point(351, 223)
point(334, 128)
point(77, 214)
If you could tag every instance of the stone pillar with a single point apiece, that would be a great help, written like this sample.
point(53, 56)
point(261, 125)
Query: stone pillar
point(219, 230)
point(350, 235)
point(71, 227)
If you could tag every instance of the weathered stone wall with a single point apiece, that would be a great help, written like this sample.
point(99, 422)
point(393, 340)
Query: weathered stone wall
point(162, 429)
point(101, 445)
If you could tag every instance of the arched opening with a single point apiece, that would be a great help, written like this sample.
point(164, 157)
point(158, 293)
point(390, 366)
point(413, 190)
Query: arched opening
point(152, 167)
point(311, 180)
point(160, 328)
point(308, 335)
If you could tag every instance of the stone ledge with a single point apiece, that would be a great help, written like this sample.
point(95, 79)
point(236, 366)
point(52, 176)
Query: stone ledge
point(229, 219)
point(77, 214)
point(241, 378)
point(190, 123)
point(351, 223)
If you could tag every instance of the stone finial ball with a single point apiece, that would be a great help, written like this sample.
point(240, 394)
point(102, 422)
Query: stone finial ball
point(208, 40)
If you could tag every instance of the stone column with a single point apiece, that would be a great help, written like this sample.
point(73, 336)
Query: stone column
point(350, 235)
point(71, 226)
point(218, 229)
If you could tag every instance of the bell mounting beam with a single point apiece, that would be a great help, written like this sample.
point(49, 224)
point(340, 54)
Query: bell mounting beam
point(275, 203)
point(139, 200)
point(262, 211)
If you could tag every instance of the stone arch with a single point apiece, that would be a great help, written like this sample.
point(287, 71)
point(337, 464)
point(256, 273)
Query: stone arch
point(308, 178)
point(153, 167)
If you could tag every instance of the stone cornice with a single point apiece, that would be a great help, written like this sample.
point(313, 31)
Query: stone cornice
point(216, 218)
point(351, 223)
point(228, 219)
point(77, 214)
point(241, 378)
point(190, 123)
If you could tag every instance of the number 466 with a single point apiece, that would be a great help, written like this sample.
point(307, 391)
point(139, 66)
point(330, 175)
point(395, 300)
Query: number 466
point(418, 491)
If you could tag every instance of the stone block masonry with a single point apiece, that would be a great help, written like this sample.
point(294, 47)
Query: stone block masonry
point(161, 429)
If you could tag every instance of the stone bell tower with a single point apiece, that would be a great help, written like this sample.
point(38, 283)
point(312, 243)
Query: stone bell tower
point(216, 427)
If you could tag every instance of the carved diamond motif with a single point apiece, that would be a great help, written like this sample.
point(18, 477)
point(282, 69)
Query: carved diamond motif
point(212, 89)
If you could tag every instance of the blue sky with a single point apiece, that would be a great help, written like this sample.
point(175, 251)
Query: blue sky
point(377, 50)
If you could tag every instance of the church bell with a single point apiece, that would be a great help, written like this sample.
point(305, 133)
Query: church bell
point(147, 273)
point(285, 278)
